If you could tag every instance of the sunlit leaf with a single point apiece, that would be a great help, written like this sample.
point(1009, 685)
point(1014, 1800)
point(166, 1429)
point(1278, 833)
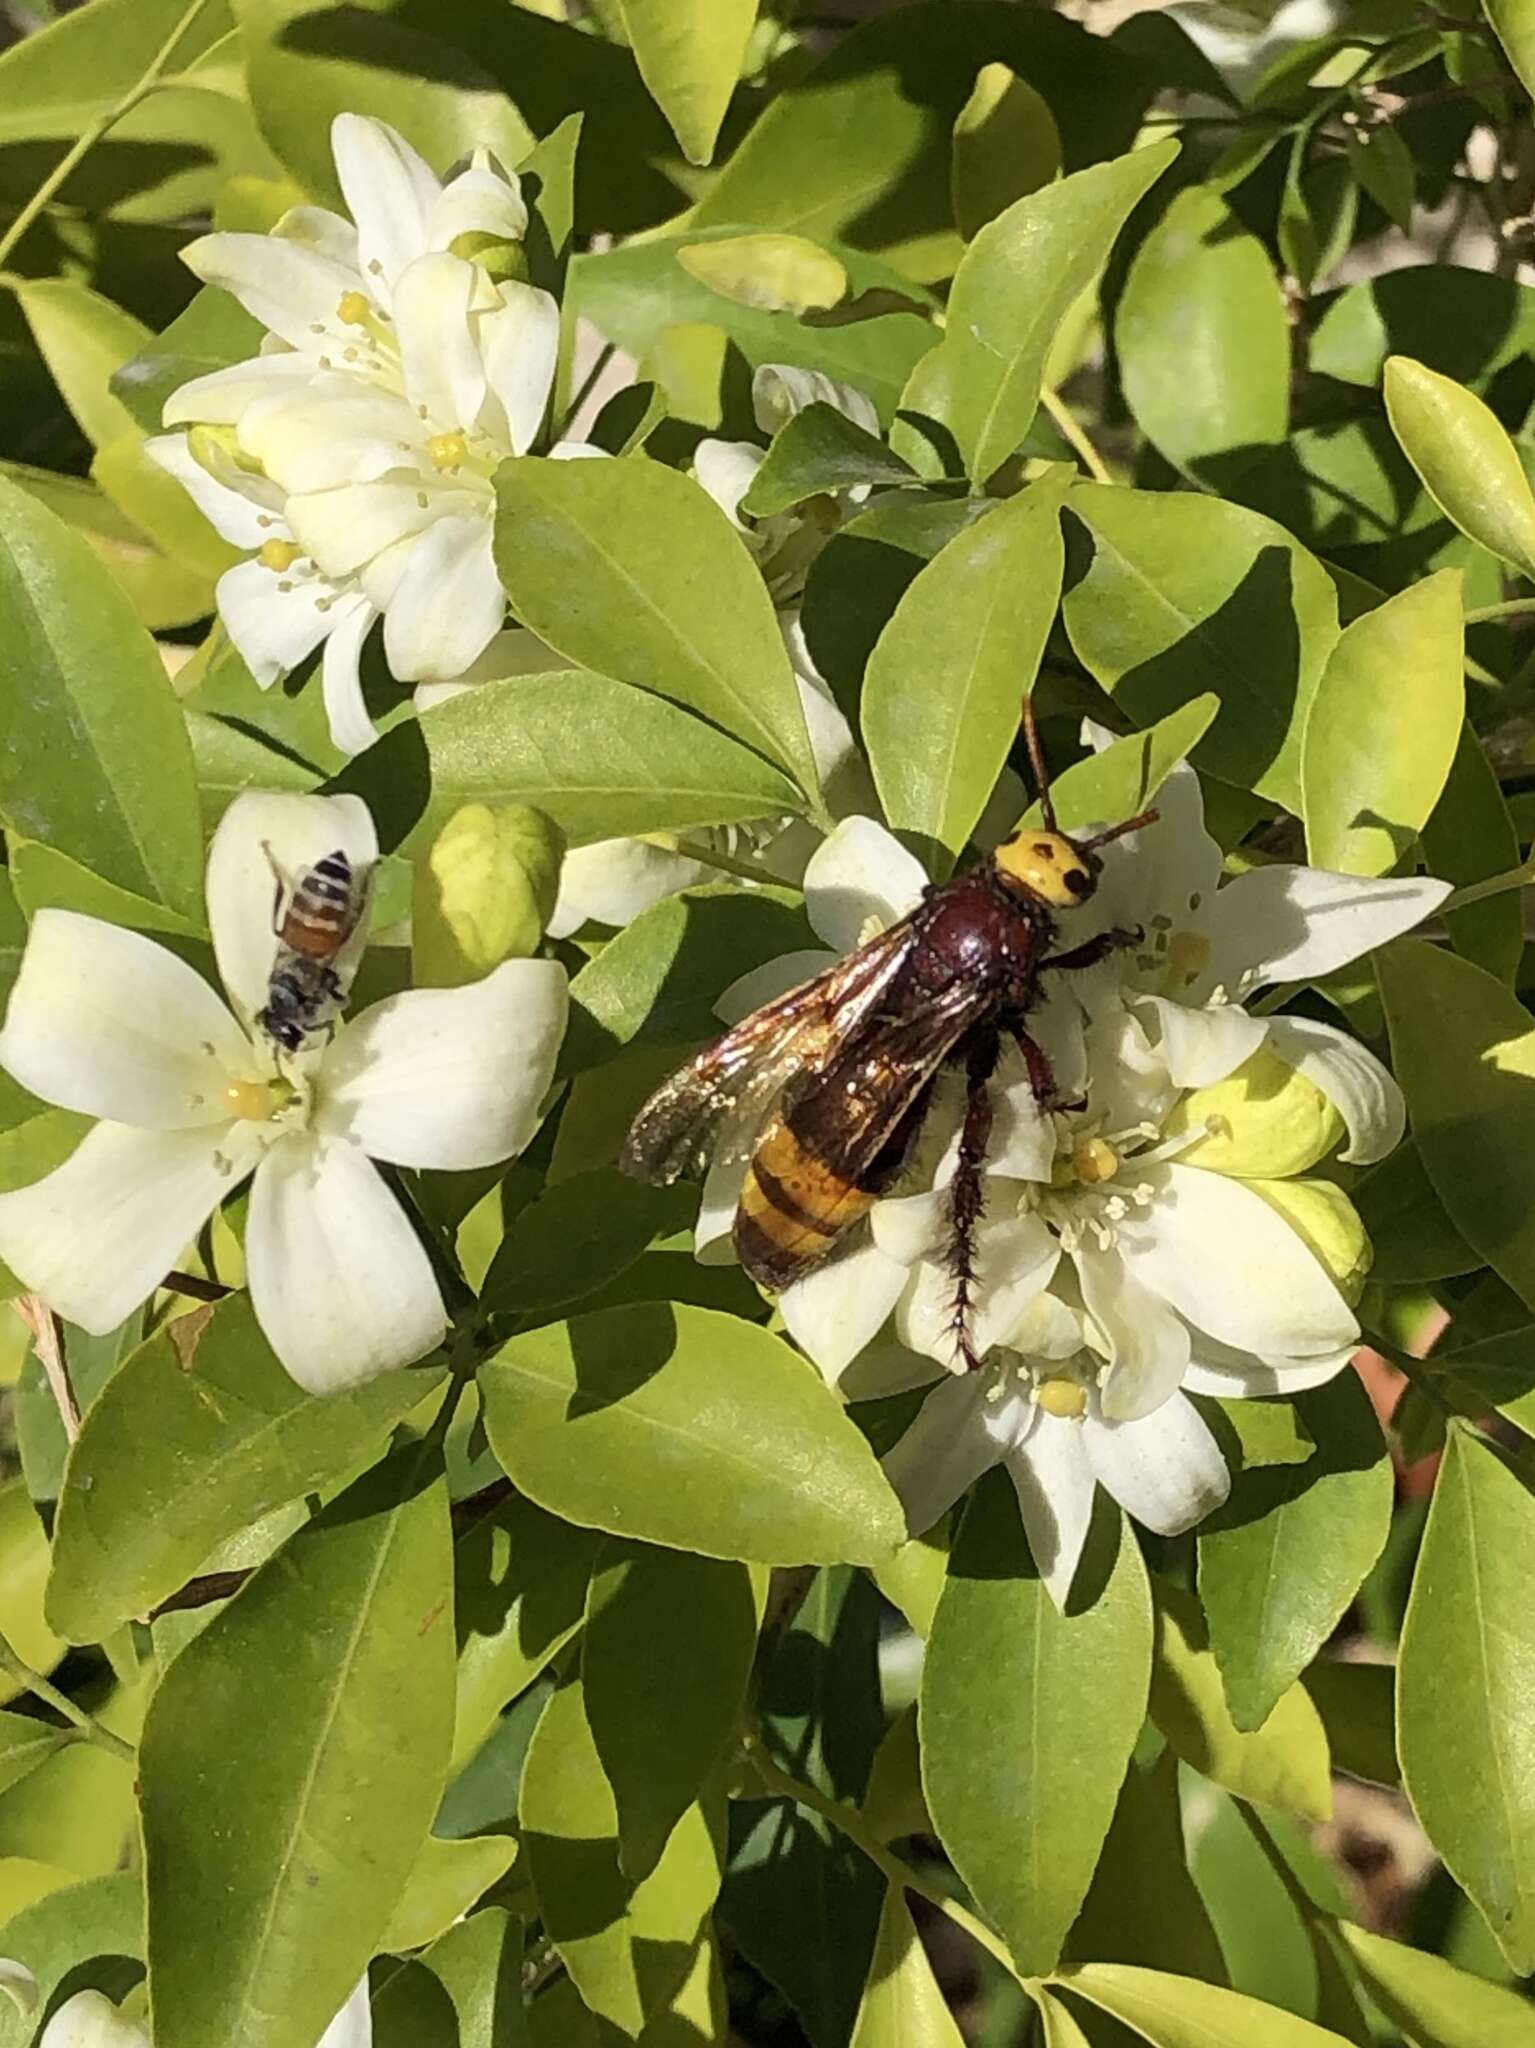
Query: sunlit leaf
point(1465, 458)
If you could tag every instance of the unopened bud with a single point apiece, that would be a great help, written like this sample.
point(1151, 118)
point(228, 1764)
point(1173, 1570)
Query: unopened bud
point(1328, 1223)
point(505, 261)
point(484, 893)
point(1261, 1123)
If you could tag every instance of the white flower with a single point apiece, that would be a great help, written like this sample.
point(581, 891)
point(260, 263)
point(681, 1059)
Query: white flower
point(90, 2020)
point(192, 1101)
point(355, 453)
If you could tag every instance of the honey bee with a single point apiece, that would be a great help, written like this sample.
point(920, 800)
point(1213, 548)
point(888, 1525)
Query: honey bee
point(827, 1087)
point(312, 920)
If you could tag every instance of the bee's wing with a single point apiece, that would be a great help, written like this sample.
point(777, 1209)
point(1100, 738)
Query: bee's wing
point(734, 1081)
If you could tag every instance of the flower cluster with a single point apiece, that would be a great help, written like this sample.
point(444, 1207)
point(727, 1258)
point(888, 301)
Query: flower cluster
point(1165, 1236)
point(194, 1099)
point(405, 358)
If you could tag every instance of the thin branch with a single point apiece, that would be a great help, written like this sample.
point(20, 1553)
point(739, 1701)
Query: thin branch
point(89, 1730)
point(194, 1286)
point(1514, 608)
point(1072, 430)
point(49, 1346)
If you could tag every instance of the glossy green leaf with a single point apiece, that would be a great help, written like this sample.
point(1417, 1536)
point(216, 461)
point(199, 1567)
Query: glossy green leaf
point(199, 1435)
point(1384, 728)
point(1059, 2023)
point(479, 1962)
point(625, 1944)
point(1170, 595)
point(1464, 1674)
point(600, 757)
point(44, 878)
point(690, 1429)
point(89, 1935)
point(1283, 1763)
point(1432, 2000)
point(690, 58)
point(1463, 1047)
point(83, 338)
point(292, 1761)
point(1181, 2012)
point(208, 334)
point(634, 570)
point(772, 273)
point(70, 71)
point(1317, 211)
point(941, 696)
point(161, 591)
point(1466, 322)
point(820, 1701)
point(519, 1596)
point(1382, 165)
point(1028, 1717)
point(1467, 462)
point(1514, 24)
point(1018, 279)
point(1408, 1226)
point(96, 761)
point(902, 2006)
point(1124, 779)
point(23, 1570)
point(572, 1239)
point(1144, 1905)
point(665, 1657)
point(24, 1744)
point(1006, 145)
point(1357, 1703)
point(1203, 341)
point(1280, 1563)
point(444, 1882)
point(820, 449)
point(1470, 837)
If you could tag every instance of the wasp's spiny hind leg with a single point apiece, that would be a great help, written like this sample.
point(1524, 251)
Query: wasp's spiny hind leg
point(967, 1191)
point(1092, 951)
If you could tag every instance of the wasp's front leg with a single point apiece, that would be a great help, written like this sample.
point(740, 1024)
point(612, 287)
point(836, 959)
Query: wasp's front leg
point(1042, 1074)
point(1094, 951)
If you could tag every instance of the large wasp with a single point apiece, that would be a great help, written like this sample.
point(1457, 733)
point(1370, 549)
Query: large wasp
point(830, 1083)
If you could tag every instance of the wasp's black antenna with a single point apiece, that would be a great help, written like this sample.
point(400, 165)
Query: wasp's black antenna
point(1037, 763)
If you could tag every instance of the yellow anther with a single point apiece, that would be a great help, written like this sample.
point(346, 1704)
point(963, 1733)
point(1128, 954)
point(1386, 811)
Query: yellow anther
point(1063, 1398)
point(1094, 1162)
point(355, 308)
point(1188, 955)
point(249, 1102)
point(447, 450)
point(278, 555)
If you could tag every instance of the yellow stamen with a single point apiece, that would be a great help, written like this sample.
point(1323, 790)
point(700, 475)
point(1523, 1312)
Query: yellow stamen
point(1094, 1162)
point(355, 308)
point(278, 555)
point(1062, 1398)
point(447, 450)
point(250, 1102)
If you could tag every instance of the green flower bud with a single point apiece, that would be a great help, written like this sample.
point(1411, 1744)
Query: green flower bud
point(1329, 1225)
point(494, 254)
point(1263, 1122)
point(483, 892)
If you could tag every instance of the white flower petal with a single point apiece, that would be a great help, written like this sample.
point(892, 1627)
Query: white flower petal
point(346, 527)
point(242, 889)
point(839, 1306)
point(90, 2020)
point(105, 1021)
point(484, 200)
point(447, 1077)
point(1164, 1469)
point(444, 375)
point(353, 2025)
point(346, 709)
point(1216, 1369)
point(234, 515)
point(861, 872)
point(520, 345)
point(1285, 923)
point(1054, 1483)
point(337, 431)
point(449, 603)
point(712, 1240)
point(339, 1282)
point(1168, 869)
point(1364, 1093)
point(294, 291)
point(390, 192)
point(948, 1446)
point(779, 391)
point(1148, 1346)
point(220, 399)
point(316, 227)
point(1197, 1046)
point(1014, 1259)
point(725, 469)
point(911, 1227)
point(1232, 1266)
point(273, 628)
point(765, 984)
point(614, 880)
point(97, 1235)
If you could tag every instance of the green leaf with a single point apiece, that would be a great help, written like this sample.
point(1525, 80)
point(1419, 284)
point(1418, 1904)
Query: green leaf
point(1281, 1561)
point(688, 1428)
point(161, 591)
point(1019, 278)
point(576, 1237)
point(625, 1944)
point(820, 1702)
point(83, 338)
point(307, 61)
point(1283, 1763)
point(1467, 462)
point(58, 80)
point(1382, 165)
point(1006, 145)
point(23, 1570)
point(601, 758)
point(1463, 1047)
point(519, 1596)
point(480, 1963)
point(293, 1759)
point(665, 1656)
point(24, 1744)
point(902, 2004)
point(1203, 291)
point(32, 1147)
point(208, 334)
point(96, 761)
point(82, 1935)
point(1466, 322)
point(1463, 1725)
point(940, 699)
point(1432, 2000)
point(820, 449)
point(1028, 1717)
point(634, 570)
point(690, 57)
point(1124, 779)
point(1144, 1906)
point(1409, 1230)
point(1174, 594)
point(773, 273)
point(44, 878)
point(444, 1882)
point(1317, 211)
point(1513, 23)
point(1181, 2012)
point(1357, 1706)
point(200, 1434)
point(1470, 837)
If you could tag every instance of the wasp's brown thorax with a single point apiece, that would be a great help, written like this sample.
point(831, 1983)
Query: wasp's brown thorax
point(977, 928)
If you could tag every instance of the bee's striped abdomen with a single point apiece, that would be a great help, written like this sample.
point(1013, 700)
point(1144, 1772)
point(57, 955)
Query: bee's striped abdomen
point(321, 911)
point(794, 1207)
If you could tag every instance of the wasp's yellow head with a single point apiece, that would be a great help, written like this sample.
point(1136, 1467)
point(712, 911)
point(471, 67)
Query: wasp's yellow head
point(1049, 866)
